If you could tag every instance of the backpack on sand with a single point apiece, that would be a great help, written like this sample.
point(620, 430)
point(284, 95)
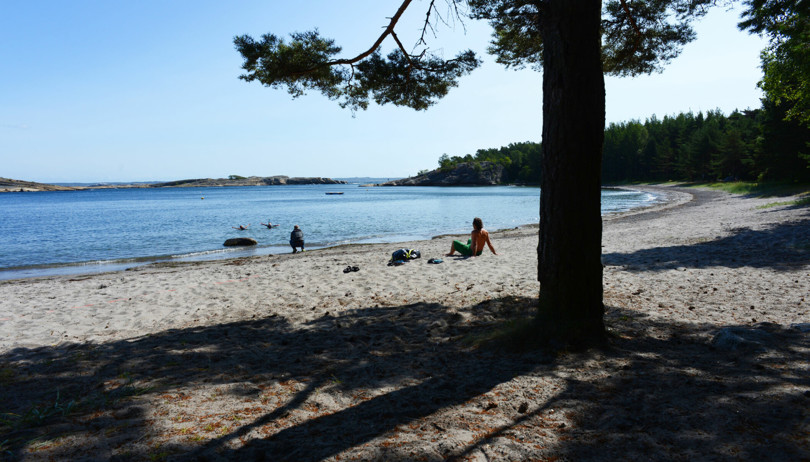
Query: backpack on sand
point(405, 255)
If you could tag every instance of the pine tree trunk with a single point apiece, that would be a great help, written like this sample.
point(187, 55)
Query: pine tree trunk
point(569, 251)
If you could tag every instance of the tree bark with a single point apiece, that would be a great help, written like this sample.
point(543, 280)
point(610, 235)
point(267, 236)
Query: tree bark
point(569, 251)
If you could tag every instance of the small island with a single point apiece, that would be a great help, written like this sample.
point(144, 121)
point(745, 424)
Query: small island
point(235, 180)
point(10, 185)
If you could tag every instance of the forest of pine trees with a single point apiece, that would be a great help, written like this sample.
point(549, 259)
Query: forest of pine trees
point(752, 145)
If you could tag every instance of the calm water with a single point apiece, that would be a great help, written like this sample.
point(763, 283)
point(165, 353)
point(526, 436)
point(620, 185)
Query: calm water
point(64, 232)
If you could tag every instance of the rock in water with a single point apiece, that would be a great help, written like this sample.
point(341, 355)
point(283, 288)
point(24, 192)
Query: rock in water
point(240, 241)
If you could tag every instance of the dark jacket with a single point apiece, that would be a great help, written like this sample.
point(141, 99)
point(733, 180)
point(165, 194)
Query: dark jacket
point(297, 237)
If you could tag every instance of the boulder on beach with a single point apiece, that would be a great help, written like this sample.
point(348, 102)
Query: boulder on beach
point(240, 241)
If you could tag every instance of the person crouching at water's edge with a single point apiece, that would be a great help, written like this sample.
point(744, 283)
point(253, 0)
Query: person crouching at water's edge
point(475, 245)
point(297, 239)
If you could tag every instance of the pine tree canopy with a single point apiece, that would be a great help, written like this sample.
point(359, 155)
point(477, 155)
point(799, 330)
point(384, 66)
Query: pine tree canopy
point(639, 36)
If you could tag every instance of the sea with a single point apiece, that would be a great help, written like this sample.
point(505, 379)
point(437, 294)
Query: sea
point(98, 230)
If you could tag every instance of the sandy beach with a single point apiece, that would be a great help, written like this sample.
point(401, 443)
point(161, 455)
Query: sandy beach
point(288, 357)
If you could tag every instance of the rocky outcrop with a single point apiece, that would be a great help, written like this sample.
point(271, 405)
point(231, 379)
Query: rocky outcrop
point(249, 181)
point(240, 241)
point(466, 174)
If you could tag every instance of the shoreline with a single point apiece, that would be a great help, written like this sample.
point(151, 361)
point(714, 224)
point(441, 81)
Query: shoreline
point(291, 358)
point(219, 254)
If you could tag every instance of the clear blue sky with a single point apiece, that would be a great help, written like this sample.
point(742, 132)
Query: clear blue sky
point(140, 91)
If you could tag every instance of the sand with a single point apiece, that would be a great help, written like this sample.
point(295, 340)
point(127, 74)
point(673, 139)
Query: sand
point(286, 357)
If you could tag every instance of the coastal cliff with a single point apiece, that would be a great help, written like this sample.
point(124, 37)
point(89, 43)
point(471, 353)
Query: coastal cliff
point(465, 174)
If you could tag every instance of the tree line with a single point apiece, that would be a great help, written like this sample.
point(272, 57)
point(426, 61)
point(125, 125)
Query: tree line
point(520, 161)
point(752, 145)
point(749, 145)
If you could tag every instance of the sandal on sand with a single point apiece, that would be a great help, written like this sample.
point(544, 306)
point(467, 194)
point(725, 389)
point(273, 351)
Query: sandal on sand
point(348, 269)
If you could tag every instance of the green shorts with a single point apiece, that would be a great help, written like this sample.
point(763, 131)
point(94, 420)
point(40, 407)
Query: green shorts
point(464, 249)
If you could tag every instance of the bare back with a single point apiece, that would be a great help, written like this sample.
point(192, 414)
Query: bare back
point(480, 238)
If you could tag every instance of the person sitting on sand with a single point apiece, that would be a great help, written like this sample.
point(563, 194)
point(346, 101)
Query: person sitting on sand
point(269, 225)
point(474, 245)
point(297, 239)
point(241, 227)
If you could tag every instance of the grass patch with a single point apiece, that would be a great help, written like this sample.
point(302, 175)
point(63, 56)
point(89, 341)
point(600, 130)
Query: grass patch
point(803, 202)
point(39, 414)
point(775, 189)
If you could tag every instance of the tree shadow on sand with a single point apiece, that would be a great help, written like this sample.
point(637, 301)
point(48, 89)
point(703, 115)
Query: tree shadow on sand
point(685, 392)
point(99, 399)
point(783, 247)
point(661, 391)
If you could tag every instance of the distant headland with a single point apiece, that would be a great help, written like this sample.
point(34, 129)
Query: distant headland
point(9, 185)
point(463, 174)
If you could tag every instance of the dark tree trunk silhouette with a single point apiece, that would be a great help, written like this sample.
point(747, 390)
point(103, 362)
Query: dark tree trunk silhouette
point(569, 251)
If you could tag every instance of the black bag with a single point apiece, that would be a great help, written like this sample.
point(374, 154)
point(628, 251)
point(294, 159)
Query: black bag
point(405, 255)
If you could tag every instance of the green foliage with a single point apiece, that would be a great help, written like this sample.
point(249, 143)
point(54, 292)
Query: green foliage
point(772, 189)
point(299, 65)
point(516, 40)
point(236, 177)
point(638, 36)
point(520, 161)
point(641, 36)
point(786, 61)
point(400, 81)
point(751, 145)
point(803, 202)
point(444, 163)
point(782, 145)
point(307, 63)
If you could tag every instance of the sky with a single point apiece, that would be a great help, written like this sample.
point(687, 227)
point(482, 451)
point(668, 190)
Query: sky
point(111, 91)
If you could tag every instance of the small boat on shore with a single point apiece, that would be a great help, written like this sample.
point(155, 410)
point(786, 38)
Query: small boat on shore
point(333, 193)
